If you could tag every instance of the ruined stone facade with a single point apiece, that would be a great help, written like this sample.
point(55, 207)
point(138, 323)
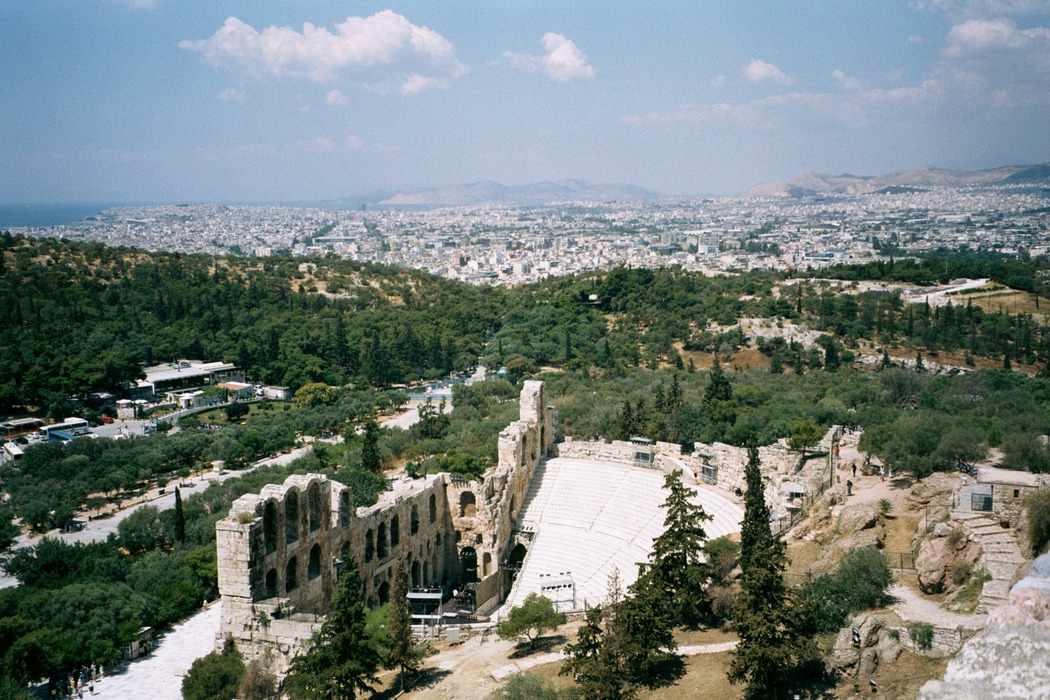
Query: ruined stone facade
point(280, 551)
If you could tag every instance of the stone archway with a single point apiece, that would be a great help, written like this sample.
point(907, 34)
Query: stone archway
point(468, 565)
point(383, 593)
point(468, 504)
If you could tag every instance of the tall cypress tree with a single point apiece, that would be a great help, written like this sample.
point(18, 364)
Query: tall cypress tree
point(180, 518)
point(677, 568)
point(772, 647)
point(403, 653)
point(343, 658)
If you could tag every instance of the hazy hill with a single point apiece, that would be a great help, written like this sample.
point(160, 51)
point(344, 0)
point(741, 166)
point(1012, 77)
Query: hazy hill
point(489, 192)
point(813, 183)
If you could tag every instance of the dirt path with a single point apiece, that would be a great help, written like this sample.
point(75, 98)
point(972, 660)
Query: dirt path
point(914, 607)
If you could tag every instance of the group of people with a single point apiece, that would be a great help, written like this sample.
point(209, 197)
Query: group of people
point(77, 682)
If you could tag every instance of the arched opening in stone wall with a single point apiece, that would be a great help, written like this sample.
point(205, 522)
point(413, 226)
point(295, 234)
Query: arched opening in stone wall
point(381, 542)
point(291, 575)
point(543, 435)
point(433, 508)
point(291, 516)
point(468, 565)
point(313, 569)
point(467, 505)
point(415, 574)
point(426, 573)
point(395, 531)
point(370, 545)
point(414, 522)
point(486, 564)
point(271, 583)
point(383, 592)
point(437, 541)
point(270, 526)
point(344, 508)
point(517, 556)
point(313, 500)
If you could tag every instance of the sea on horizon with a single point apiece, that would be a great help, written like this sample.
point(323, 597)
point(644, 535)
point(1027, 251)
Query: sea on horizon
point(44, 215)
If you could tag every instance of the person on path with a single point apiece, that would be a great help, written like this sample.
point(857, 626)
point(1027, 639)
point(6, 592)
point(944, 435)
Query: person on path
point(854, 470)
point(849, 487)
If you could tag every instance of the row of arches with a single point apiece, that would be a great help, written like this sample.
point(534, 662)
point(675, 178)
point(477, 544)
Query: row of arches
point(311, 519)
point(292, 573)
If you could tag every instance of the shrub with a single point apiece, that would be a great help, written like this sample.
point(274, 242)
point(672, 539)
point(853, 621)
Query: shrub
point(722, 556)
point(525, 686)
point(921, 633)
point(214, 676)
point(895, 634)
point(722, 600)
point(858, 584)
point(969, 593)
point(531, 619)
point(961, 571)
point(956, 537)
point(1038, 507)
point(885, 506)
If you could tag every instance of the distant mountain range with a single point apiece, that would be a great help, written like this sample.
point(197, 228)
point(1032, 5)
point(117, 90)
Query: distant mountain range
point(489, 192)
point(917, 179)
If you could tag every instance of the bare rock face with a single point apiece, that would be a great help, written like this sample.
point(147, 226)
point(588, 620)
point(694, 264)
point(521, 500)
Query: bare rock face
point(857, 519)
point(936, 557)
point(1008, 660)
point(875, 646)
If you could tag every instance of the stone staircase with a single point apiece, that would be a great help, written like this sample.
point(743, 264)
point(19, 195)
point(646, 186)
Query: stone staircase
point(1000, 556)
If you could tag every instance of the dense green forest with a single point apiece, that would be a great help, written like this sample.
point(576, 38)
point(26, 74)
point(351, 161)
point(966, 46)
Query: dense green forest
point(623, 352)
point(79, 318)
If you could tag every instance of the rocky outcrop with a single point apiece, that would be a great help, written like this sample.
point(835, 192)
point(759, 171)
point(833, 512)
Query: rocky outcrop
point(1008, 660)
point(947, 548)
point(861, 660)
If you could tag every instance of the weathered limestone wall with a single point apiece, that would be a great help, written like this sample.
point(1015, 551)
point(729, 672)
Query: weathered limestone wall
point(280, 551)
point(780, 467)
point(484, 512)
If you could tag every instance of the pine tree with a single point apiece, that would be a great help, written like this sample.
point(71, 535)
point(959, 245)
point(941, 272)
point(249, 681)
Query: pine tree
point(343, 659)
point(718, 388)
point(676, 567)
point(643, 623)
point(403, 653)
point(772, 647)
point(180, 518)
point(589, 666)
point(776, 363)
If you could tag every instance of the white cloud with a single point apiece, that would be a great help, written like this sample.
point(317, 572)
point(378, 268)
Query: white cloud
point(354, 142)
point(979, 35)
point(383, 51)
point(417, 83)
point(563, 62)
point(717, 82)
point(846, 81)
point(335, 98)
point(232, 94)
point(758, 71)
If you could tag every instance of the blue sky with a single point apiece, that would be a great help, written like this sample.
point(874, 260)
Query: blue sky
point(250, 101)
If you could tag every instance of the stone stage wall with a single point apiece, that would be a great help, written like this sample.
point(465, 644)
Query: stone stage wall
point(280, 551)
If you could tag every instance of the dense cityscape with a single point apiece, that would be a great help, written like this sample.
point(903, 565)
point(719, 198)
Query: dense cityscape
point(511, 244)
